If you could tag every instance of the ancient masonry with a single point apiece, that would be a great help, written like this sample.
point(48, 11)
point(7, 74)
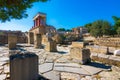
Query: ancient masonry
point(12, 41)
point(79, 53)
point(38, 36)
point(24, 66)
point(35, 34)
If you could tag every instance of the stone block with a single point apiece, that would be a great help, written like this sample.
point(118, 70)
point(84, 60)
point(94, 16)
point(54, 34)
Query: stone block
point(78, 44)
point(12, 41)
point(103, 58)
point(30, 38)
point(37, 40)
point(81, 54)
point(24, 66)
point(51, 46)
point(44, 39)
point(94, 57)
point(113, 60)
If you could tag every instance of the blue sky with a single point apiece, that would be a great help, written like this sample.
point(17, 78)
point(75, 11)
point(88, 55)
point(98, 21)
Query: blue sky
point(67, 13)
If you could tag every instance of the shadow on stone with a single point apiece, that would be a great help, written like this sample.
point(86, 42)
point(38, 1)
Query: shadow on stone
point(62, 52)
point(42, 78)
point(99, 65)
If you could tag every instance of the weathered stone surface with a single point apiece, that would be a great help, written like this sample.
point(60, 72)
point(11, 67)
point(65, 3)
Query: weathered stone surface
point(70, 76)
point(114, 61)
point(72, 70)
point(51, 46)
point(45, 39)
point(2, 77)
point(46, 67)
point(23, 66)
point(92, 70)
point(117, 52)
point(12, 41)
point(30, 38)
point(67, 65)
point(37, 40)
point(64, 59)
point(104, 58)
point(80, 54)
point(52, 75)
point(78, 44)
point(4, 59)
point(107, 59)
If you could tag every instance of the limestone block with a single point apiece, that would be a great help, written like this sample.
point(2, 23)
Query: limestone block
point(80, 54)
point(113, 60)
point(24, 66)
point(94, 57)
point(37, 40)
point(117, 52)
point(78, 44)
point(103, 58)
point(45, 39)
point(30, 38)
point(103, 50)
point(12, 41)
point(51, 46)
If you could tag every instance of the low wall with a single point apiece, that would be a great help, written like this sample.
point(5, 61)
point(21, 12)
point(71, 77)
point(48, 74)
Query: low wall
point(98, 49)
point(106, 59)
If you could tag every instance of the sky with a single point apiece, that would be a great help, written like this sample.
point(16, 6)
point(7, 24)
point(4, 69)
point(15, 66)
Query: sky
point(67, 13)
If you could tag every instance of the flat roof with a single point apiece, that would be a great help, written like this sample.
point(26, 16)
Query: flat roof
point(39, 14)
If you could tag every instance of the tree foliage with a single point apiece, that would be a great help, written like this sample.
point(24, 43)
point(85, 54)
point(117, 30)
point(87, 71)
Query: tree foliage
point(118, 31)
point(15, 9)
point(99, 28)
point(88, 26)
point(117, 23)
point(61, 29)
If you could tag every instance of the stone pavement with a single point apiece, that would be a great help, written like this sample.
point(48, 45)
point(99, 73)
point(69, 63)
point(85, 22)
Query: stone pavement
point(56, 65)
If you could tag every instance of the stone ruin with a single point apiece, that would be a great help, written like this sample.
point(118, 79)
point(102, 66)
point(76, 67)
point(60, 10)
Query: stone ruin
point(24, 66)
point(109, 42)
point(79, 53)
point(37, 35)
point(12, 41)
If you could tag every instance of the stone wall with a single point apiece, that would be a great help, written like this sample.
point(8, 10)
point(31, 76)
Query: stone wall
point(106, 59)
point(98, 49)
point(78, 44)
point(110, 42)
point(20, 39)
point(51, 46)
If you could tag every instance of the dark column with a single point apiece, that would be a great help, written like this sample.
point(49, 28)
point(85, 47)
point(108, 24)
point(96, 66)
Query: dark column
point(24, 66)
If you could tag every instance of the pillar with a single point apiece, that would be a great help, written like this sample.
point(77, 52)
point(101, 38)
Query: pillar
point(37, 40)
point(51, 46)
point(81, 55)
point(12, 41)
point(30, 38)
point(24, 66)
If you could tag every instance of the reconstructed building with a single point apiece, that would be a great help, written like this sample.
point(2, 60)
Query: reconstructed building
point(39, 29)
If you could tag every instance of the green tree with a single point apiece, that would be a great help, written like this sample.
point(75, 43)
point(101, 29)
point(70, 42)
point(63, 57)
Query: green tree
point(100, 28)
point(68, 30)
point(61, 29)
point(106, 27)
point(15, 9)
point(88, 26)
point(117, 23)
point(118, 31)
